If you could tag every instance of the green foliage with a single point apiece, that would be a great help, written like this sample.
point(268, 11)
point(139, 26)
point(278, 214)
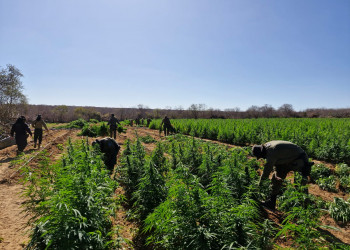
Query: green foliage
point(293, 196)
point(80, 123)
point(319, 171)
point(303, 220)
point(342, 170)
point(302, 224)
point(121, 129)
point(88, 130)
point(147, 139)
point(150, 192)
point(94, 130)
point(71, 201)
point(328, 183)
point(93, 121)
point(132, 166)
point(193, 217)
point(322, 138)
point(344, 183)
point(340, 210)
point(191, 194)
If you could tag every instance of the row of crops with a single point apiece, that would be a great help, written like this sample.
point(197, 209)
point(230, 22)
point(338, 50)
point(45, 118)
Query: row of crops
point(189, 194)
point(322, 138)
point(185, 194)
point(71, 202)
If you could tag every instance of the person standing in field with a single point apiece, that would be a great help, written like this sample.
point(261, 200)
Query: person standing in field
point(148, 121)
point(38, 125)
point(113, 126)
point(21, 130)
point(282, 157)
point(167, 126)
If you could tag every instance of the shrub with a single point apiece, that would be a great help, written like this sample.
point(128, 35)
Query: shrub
point(147, 139)
point(94, 130)
point(342, 170)
point(93, 121)
point(328, 183)
point(80, 123)
point(319, 171)
point(340, 210)
point(344, 183)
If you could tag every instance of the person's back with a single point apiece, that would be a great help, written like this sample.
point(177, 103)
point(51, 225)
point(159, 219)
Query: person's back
point(110, 149)
point(281, 157)
point(166, 121)
point(282, 152)
point(20, 130)
point(113, 122)
point(39, 124)
point(113, 126)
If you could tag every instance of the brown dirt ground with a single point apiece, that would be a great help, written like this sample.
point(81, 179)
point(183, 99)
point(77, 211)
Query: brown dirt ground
point(13, 221)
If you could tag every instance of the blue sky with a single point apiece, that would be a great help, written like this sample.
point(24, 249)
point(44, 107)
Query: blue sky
point(225, 54)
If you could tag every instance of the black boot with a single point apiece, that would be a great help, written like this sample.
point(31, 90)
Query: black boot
point(271, 202)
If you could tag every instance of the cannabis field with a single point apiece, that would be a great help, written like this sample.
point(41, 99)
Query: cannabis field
point(180, 192)
point(322, 138)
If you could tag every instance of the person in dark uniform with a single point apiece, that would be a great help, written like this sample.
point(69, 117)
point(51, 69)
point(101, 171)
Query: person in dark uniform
point(110, 149)
point(21, 130)
point(166, 125)
point(148, 121)
point(282, 157)
point(113, 126)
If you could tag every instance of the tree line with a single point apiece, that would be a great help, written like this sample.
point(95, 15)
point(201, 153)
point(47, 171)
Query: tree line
point(63, 113)
point(13, 103)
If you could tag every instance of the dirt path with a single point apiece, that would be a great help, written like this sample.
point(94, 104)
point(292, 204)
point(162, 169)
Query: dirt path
point(13, 221)
point(13, 229)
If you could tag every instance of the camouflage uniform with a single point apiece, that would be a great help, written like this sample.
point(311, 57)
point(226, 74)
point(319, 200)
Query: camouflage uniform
point(38, 125)
point(283, 157)
point(21, 129)
point(110, 149)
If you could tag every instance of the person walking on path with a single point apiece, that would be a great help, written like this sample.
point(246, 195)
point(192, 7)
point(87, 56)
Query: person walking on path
point(282, 157)
point(113, 126)
point(167, 126)
point(21, 130)
point(38, 125)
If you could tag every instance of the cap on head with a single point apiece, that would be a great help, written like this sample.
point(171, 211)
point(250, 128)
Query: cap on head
point(257, 151)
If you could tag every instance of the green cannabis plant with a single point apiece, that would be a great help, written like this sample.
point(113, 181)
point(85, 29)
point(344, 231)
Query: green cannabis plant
point(71, 201)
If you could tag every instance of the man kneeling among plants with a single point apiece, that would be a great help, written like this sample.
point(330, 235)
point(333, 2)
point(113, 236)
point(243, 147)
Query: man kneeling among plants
point(282, 157)
point(110, 148)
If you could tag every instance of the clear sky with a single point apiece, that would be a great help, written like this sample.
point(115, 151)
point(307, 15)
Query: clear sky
point(224, 53)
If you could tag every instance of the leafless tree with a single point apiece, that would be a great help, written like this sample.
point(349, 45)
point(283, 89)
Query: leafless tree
point(12, 99)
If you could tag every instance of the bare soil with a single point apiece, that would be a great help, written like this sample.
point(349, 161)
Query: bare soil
point(14, 232)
